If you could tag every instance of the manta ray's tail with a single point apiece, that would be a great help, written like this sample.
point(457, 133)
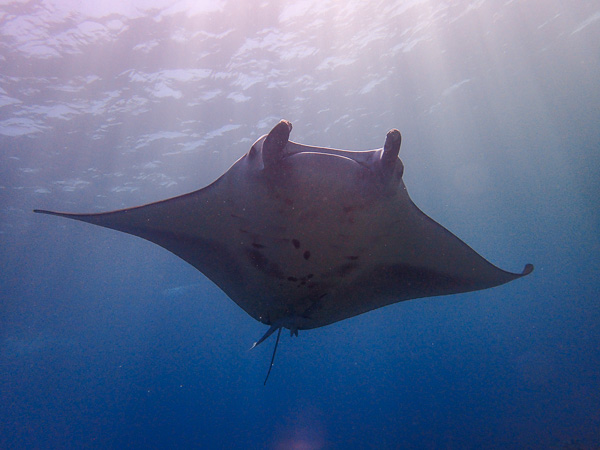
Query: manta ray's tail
point(269, 332)
point(272, 357)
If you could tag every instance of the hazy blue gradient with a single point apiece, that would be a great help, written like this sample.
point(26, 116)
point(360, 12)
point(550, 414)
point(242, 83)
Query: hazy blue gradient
point(107, 341)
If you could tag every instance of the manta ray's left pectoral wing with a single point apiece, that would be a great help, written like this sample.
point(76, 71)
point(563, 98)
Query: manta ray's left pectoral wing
point(188, 226)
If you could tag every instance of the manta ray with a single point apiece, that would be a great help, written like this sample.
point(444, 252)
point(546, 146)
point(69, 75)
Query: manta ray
point(301, 237)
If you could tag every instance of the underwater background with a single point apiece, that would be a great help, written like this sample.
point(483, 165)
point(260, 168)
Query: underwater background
point(108, 341)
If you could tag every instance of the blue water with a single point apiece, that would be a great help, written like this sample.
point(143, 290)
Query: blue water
point(107, 341)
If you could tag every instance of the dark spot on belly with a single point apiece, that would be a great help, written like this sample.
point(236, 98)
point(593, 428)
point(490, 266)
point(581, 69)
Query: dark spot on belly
point(257, 259)
point(348, 209)
point(296, 243)
point(309, 276)
point(262, 263)
point(345, 269)
point(306, 254)
point(352, 258)
point(292, 279)
point(255, 245)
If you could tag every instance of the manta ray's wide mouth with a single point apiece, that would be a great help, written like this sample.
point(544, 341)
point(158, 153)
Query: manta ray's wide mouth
point(334, 154)
point(293, 149)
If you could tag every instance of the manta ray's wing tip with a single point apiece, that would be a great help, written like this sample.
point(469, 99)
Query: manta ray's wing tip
point(56, 213)
point(50, 213)
point(527, 270)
